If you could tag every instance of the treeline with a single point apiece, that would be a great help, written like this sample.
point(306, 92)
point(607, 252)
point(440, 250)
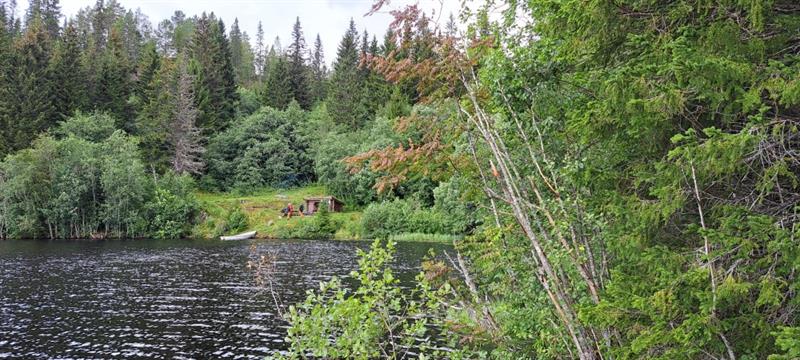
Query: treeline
point(208, 102)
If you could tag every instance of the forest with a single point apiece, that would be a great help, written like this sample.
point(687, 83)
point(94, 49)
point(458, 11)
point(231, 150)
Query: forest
point(622, 176)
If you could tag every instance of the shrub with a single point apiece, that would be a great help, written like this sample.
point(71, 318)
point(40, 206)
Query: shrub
point(173, 207)
point(380, 220)
point(383, 219)
point(235, 221)
point(378, 319)
point(263, 149)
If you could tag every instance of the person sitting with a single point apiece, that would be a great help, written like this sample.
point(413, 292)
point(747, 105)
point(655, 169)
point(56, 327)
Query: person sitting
point(302, 210)
point(290, 210)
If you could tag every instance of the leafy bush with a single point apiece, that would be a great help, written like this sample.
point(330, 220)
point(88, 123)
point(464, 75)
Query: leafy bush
point(319, 226)
point(235, 221)
point(263, 149)
point(380, 220)
point(173, 207)
point(90, 180)
point(377, 319)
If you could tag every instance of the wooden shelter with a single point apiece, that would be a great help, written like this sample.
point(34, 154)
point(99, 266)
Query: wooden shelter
point(314, 203)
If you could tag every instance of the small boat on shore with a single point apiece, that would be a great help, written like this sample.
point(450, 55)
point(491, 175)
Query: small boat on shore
point(242, 236)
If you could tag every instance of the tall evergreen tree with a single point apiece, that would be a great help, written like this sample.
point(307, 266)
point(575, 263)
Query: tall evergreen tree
point(246, 70)
point(298, 71)
point(51, 16)
point(278, 87)
point(115, 82)
point(344, 96)
point(5, 69)
point(319, 72)
point(146, 70)
point(152, 122)
point(70, 92)
point(260, 51)
point(389, 44)
point(184, 137)
point(212, 68)
point(236, 49)
point(28, 108)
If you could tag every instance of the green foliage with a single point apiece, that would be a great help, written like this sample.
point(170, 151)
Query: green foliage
point(264, 149)
point(277, 91)
point(89, 181)
point(381, 220)
point(788, 340)
point(321, 226)
point(378, 318)
point(235, 221)
point(28, 100)
point(95, 128)
point(214, 74)
point(173, 207)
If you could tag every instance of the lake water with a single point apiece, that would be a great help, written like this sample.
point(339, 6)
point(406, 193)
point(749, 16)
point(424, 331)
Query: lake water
point(161, 298)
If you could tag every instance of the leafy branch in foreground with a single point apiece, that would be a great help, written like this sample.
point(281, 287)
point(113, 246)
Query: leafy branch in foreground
point(377, 319)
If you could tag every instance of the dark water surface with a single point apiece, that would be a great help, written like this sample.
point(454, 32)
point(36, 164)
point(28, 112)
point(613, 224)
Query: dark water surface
point(160, 298)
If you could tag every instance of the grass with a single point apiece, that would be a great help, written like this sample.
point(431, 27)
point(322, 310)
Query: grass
point(263, 210)
point(420, 237)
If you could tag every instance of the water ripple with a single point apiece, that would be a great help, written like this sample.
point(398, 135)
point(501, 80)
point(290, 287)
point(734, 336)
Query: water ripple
point(158, 299)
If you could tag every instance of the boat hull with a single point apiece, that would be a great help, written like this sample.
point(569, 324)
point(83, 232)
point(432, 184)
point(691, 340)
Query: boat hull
point(242, 236)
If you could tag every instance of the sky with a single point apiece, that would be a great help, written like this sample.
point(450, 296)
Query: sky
point(328, 18)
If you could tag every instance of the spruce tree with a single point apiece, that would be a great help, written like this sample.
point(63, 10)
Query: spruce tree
point(278, 87)
point(389, 44)
point(115, 83)
point(152, 123)
point(260, 51)
point(344, 94)
point(298, 72)
point(70, 91)
point(51, 17)
point(185, 138)
point(229, 97)
point(319, 72)
point(236, 49)
point(5, 97)
point(146, 70)
point(29, 94)
point(212, 69)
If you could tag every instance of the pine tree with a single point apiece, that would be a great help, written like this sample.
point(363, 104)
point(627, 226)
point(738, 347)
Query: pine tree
point(185, 138)
point(146, 70)
point(389, 44)
point(278, 87)
point(343, 96)
point(152, 123)
point(236, 49)
point(298, 72)
point(115, 83)
point(29, 96)
point(260, 51)
point(227, 103)
point(51, 16)
point(319, 72)
point(70, 92)
point(212, 69)
point(5, 69)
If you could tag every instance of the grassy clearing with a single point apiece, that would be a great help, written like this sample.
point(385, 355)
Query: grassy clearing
point(263, 210)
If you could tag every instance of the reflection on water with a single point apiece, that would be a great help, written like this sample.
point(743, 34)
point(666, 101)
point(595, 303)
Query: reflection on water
point(159, 299)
